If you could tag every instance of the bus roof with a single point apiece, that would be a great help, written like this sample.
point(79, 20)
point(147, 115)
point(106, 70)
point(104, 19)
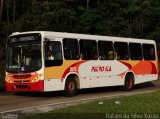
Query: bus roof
point(50, 34)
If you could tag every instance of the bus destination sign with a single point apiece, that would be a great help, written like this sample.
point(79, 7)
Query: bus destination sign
point(24, 38)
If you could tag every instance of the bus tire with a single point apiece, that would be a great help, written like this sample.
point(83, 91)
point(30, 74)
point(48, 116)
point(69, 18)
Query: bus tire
point(70, 87)
point(129, 82)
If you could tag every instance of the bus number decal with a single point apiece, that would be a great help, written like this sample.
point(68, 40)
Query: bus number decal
point(73, 69)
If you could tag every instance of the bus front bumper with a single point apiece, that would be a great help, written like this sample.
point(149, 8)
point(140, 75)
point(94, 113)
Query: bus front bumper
point(25, 87)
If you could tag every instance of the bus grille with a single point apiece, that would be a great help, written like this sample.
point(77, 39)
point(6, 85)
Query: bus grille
point(22, 81)
point(21, 76)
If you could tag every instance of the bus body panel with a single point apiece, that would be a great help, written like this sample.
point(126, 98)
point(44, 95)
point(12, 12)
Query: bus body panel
point(53, 85)
point(101, 73)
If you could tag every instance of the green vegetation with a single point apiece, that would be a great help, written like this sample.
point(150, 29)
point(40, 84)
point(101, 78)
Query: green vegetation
point(125, 18)
point(2, 73)
point(148, 103)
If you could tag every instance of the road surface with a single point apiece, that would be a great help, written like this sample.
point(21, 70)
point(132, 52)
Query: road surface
point(43, 102)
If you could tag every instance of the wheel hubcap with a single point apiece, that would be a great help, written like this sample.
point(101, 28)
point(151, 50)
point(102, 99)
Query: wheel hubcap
point(129, 83)
point(71, 86)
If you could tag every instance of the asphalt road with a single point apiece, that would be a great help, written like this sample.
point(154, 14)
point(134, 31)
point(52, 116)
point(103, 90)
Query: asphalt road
point(43, 102)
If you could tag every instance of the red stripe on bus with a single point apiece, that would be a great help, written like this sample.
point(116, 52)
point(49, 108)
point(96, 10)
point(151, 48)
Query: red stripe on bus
point(73, 65)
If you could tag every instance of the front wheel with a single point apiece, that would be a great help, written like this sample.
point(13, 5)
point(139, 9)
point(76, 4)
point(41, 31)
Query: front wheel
point(129, 83)
point(70, 87)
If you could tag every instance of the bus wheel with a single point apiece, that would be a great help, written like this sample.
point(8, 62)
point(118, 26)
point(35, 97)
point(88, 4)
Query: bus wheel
point(70, 87)
point(129, 83)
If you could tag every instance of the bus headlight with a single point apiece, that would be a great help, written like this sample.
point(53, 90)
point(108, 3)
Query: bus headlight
point(37, 78)
point(8, 80)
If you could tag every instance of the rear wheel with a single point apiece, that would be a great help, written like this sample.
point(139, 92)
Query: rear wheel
point(129, 83)
point(70, 87)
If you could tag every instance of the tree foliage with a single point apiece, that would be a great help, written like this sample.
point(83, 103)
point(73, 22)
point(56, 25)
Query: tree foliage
point(124, 18)
point(128, 18)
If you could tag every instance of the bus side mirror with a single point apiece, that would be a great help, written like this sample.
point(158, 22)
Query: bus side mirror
point(47, 42)
point(47, 45)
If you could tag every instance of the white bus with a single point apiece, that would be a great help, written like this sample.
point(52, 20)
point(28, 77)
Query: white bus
point(52, 61)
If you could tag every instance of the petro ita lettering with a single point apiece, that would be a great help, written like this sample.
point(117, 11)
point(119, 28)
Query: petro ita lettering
point(101, 69)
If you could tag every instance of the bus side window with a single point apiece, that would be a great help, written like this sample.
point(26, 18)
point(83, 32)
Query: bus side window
point(121, 49)
point(48, 52)
point(135, 51)
point(53, 53)
point(71, 49)
point(149, 52)
point(106, 51)
point(88, 50)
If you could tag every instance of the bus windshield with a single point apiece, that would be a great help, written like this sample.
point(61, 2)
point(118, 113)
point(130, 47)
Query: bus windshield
point(23, 58)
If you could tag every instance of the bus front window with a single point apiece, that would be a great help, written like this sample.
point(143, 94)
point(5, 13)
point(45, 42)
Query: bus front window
point(24, 58)
point(13, 59)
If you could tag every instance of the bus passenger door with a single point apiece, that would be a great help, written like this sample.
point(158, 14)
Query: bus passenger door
point(53, 65)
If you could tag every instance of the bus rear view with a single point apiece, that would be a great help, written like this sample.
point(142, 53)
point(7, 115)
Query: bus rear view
point(24, 63)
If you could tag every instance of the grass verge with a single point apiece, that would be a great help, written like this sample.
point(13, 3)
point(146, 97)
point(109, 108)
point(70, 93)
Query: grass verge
point(137, 106)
